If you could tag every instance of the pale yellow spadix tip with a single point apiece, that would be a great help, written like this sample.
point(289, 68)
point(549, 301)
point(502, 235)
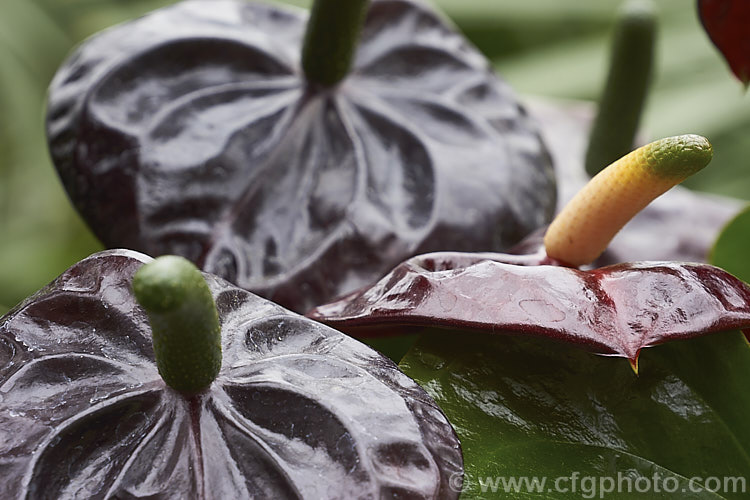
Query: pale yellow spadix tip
point(584, 228)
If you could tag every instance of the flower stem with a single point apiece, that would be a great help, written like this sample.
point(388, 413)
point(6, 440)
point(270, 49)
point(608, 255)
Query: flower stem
point(331, 39)
point(184, 322)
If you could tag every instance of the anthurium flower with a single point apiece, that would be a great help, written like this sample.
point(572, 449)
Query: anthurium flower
point(282, 156)
point(233, 397)
point(614, 310)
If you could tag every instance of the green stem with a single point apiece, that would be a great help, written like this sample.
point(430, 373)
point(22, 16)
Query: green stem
point(184, 322)
point(331, 39)
point(624, 96)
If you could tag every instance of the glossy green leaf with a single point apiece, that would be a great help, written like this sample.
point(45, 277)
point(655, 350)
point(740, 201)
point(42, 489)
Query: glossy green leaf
point(731, 249)
point(531, 408)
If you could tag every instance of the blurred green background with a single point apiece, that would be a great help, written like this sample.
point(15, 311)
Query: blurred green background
point(549, 48)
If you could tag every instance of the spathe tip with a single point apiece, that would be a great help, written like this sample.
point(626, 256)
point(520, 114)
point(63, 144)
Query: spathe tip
point(634, 363)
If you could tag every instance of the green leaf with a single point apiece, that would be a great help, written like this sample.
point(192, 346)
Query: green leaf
point(526, 408)
point(731, 249)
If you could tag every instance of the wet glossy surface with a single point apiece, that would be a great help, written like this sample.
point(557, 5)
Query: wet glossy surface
point(298, 410)
point(615, 310)
point(531, 408)
point(192, 131)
